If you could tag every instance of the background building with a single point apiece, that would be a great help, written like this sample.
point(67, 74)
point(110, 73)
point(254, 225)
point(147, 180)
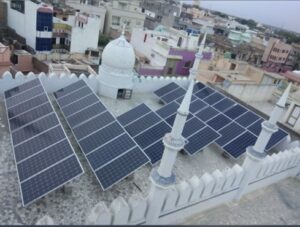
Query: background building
point(276, 54)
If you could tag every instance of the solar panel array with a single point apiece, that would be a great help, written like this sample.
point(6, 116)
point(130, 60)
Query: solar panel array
point(44, 157)
point(148, 128)
point(238, 126)
point(109, 149)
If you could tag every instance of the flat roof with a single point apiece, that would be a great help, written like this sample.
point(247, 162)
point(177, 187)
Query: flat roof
point(73, 207)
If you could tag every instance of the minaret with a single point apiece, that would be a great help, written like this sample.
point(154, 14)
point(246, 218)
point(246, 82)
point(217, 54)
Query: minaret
point(163, 177)
point(256, 153)
point(194, 70)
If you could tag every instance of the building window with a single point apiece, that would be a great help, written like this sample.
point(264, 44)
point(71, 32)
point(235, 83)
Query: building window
point(115, 20)
point(179, 42)
point(187, 64)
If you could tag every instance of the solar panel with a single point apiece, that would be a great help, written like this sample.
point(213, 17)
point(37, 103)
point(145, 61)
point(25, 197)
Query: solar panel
point(207, 113)
point(173, 95)
point(27, 105)
point(235, 111)
point(30, 116)
point(217, 111)
point(168, 110)
point(214, 98)
point(224, 104)
point(35, 128)
point(247, 119)
point(120, 168)
point(170, 120)
point(193, 125)
point(75, 96)
point(69, 89)
point(50, 179)
point(85, 114)
point(179, 100)
point(104, 142)
point(200, 140)
point(229, 133)
point(109, 151)
point(80, 104)
point(38, 143)
point(276, 138)
point(197, 105)
point(133, 114)
point(205, 92)
point(219, 122)
point(166, 89)
point(152, 135)
point(198, 86)
point(22, 88)
point(44, 157)
point(255, 128)
point(98, 138)
point(142, 124)
point(155, 152)
point(26, 95)
point(238, 146)
point(93, 125)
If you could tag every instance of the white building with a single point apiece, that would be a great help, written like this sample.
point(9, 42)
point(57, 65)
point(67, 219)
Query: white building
point(45, 33)
point(116, 70)
point(84, 7)
point(33, 21)
point(78, 33)
point(123, 12)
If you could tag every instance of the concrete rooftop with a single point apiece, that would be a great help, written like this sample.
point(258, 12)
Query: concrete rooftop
point(72, 204)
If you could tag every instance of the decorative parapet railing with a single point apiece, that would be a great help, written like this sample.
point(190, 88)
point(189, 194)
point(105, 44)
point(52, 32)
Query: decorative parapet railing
point(197, 193)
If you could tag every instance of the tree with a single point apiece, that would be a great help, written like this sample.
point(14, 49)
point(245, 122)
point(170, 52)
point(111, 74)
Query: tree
point(103, 40)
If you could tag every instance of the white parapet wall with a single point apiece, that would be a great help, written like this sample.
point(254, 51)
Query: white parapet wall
point(54, 82)
point(198, 193)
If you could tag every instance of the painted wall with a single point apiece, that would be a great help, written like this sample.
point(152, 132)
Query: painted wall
point(86, 37)
point(151, 72)
point(24, 24)
point(187, 56)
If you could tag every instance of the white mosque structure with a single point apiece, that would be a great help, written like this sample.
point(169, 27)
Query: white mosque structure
point(169, 200)
point(117, 69)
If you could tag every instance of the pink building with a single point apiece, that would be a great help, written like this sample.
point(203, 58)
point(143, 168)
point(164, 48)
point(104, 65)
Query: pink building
point(276, 54)
point(4, 59)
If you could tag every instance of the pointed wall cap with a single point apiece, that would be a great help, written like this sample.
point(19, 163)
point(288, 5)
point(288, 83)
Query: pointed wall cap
point(283, 99)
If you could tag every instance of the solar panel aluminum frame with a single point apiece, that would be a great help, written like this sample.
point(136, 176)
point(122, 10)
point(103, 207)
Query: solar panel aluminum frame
point(136, 118)
point(20, 188)
point(85, 156)
point(165, 103)
point(274, 145)
point(206, 125)
point(237, 158)
point(168, 91)
point(23, 91)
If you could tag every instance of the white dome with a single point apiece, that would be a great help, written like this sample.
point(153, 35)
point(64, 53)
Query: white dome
point(118, 54)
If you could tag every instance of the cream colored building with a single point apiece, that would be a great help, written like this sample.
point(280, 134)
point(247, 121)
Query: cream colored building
point(123, 12)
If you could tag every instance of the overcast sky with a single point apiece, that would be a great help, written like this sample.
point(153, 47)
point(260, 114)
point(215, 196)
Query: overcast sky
point(283, 14)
